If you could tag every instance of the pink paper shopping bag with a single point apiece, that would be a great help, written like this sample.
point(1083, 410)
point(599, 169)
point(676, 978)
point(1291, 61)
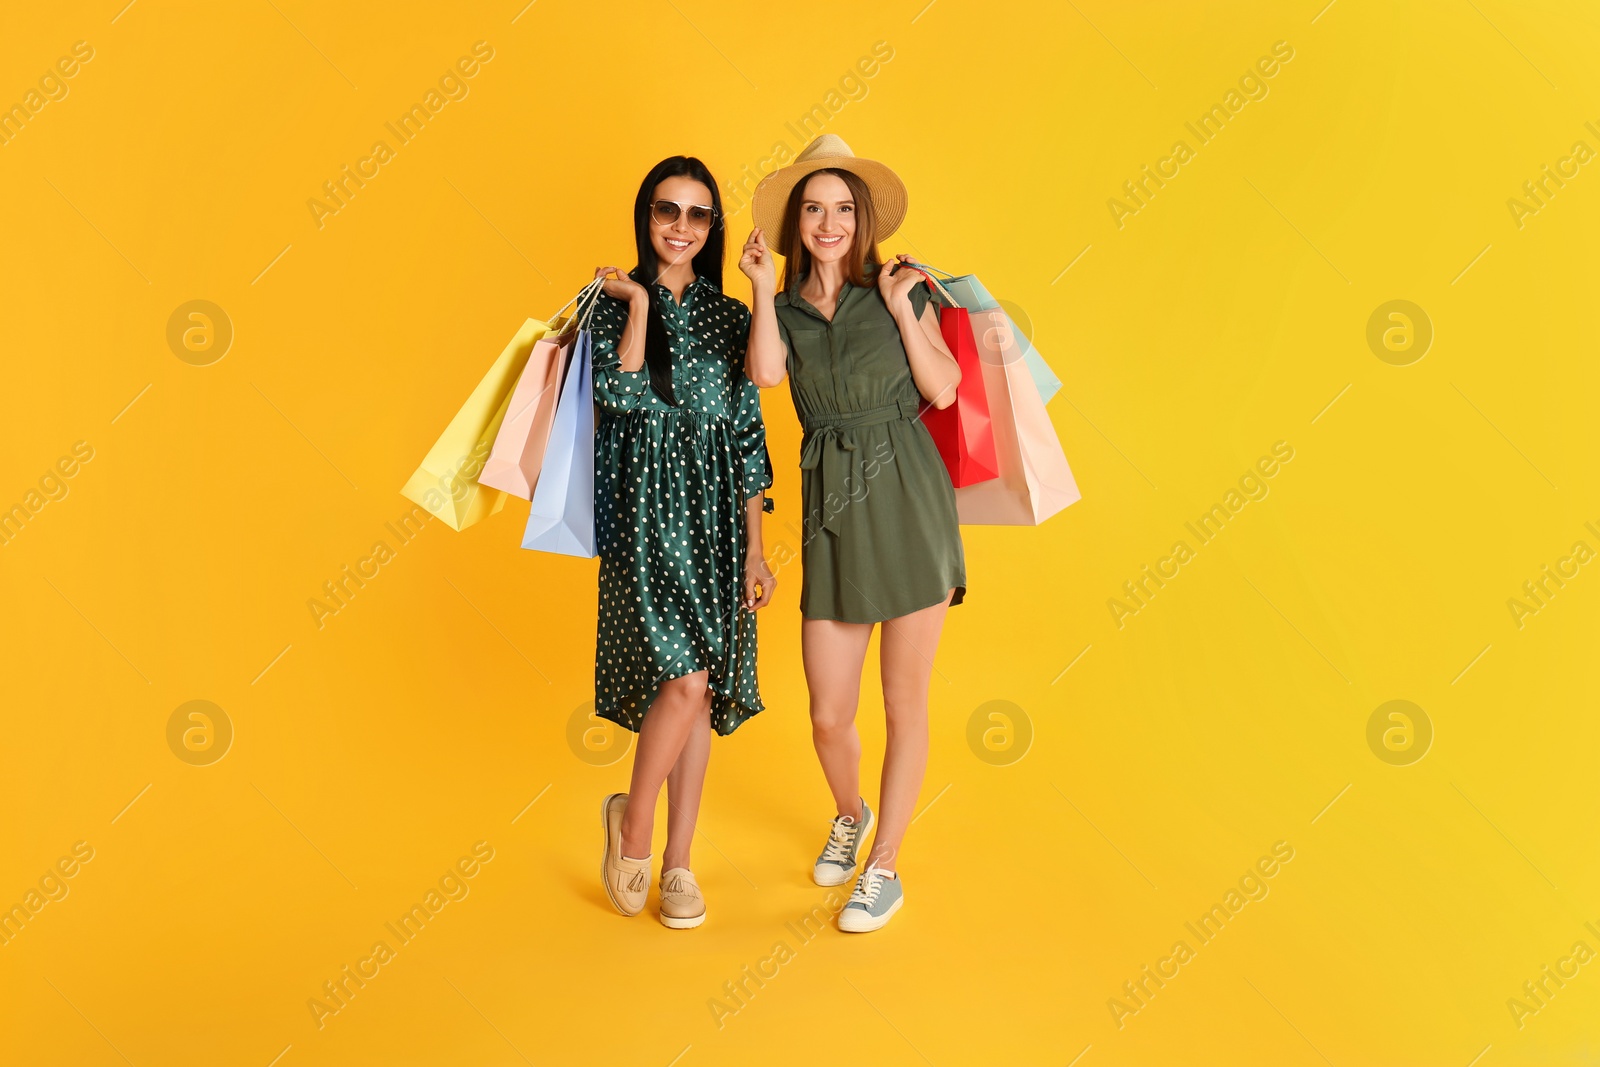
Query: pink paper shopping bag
point(1035, 481)
point(513, 464)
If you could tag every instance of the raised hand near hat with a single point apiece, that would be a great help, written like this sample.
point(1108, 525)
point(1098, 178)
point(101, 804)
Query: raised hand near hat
point(756, 262)
point(766, 356)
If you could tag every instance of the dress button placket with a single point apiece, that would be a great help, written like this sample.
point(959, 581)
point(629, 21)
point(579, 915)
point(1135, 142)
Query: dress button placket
point(841, 387)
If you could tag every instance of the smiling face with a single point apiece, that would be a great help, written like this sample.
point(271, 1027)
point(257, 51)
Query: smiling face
point(827, 218)
point(678, 241)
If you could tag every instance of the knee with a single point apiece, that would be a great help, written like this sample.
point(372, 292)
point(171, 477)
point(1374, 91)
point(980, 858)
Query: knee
point(688, 692)
point(829, 722)
point(905, 711)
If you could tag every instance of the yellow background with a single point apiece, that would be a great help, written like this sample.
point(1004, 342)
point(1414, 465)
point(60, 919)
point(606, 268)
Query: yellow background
point(1228, 714)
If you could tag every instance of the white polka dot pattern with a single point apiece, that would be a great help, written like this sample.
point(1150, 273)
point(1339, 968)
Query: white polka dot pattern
point(670, 487)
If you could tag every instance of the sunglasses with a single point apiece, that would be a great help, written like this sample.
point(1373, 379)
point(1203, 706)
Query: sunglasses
point(666, 212)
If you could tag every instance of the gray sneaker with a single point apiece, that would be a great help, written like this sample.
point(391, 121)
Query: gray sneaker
point(877, 897)
point(837, 864)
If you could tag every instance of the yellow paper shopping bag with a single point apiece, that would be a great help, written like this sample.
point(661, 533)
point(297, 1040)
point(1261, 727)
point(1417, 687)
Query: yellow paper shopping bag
point(447, 482)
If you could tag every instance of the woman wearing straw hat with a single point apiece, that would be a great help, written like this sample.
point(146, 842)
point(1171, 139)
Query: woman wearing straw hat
point(862, 351)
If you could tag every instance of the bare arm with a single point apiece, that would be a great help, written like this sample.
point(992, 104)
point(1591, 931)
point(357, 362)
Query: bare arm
point(933, 369)
point(766, 356)
point(759, 584)
point(754, 548)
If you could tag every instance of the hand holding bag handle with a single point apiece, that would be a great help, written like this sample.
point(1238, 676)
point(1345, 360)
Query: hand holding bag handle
point(575, 300)
point(1043, 377)
point(934, 283)
point(588, 299)
point(517, 457)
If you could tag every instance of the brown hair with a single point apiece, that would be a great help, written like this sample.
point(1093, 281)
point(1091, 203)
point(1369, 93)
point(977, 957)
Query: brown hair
point(863, 262)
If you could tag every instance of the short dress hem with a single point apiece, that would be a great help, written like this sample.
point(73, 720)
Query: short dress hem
point(672, 479)
point(881, 528)
point(728, 713)
point(956, 593)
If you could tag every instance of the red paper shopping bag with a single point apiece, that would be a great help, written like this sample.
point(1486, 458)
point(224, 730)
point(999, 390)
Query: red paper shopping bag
point(962, 431)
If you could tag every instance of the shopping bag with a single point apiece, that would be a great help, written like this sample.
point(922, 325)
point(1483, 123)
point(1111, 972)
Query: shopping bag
point(961, 431)
point(1035, 481)
point(446, 484)
point(513, 464)
point(970, 294)
point(561, 515)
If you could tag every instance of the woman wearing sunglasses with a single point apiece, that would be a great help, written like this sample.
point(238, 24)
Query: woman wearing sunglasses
point(862, 351)
point(680, 471)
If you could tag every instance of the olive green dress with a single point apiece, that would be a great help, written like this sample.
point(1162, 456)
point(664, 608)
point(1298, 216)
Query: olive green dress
point(670, 488)
point(881, 535)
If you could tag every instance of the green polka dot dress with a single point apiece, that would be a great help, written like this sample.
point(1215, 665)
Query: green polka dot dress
point(670, 489)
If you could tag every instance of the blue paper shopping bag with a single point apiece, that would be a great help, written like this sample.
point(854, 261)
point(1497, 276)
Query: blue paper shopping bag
point(970, 294)
point(562, 516)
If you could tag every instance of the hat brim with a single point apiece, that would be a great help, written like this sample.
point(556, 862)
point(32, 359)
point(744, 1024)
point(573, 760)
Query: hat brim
point(772, 195)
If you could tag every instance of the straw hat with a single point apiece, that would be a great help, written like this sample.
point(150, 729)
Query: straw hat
point(828, 151)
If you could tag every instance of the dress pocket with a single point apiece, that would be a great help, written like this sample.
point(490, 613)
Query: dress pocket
point(874, 336)
point(805, 342)
point(808, 350)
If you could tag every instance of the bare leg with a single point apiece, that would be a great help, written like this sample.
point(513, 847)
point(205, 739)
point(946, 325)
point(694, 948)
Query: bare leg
point(833, 653)
point(667, 726)
point(906, 648)
point(685, 782)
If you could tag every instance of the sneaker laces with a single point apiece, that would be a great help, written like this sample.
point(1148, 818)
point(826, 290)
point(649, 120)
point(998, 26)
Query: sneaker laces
point(868, 885)
point(841, 839)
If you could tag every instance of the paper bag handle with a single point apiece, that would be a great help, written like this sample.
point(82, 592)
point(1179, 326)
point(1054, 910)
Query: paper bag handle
point(595, 289)
point(925, 269)
point(575, 300)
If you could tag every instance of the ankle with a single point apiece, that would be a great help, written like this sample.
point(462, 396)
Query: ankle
point(856, 813)
point(669, 860)
point(635, 848)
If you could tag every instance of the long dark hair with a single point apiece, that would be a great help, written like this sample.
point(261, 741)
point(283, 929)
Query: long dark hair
point(863, 261)
point(707, 263)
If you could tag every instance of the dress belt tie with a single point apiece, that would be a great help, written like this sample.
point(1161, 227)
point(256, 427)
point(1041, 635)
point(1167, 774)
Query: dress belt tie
point(830, 446)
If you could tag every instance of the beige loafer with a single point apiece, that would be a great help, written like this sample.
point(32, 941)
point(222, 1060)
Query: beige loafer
point(682, 906)
point(627, 881)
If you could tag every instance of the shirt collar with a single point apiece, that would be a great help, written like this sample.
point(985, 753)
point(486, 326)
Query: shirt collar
point(699, 281)
point(791, 296)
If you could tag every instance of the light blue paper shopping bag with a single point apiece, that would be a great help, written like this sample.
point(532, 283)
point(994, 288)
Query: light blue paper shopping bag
point(561, 518)
point(970, 294)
